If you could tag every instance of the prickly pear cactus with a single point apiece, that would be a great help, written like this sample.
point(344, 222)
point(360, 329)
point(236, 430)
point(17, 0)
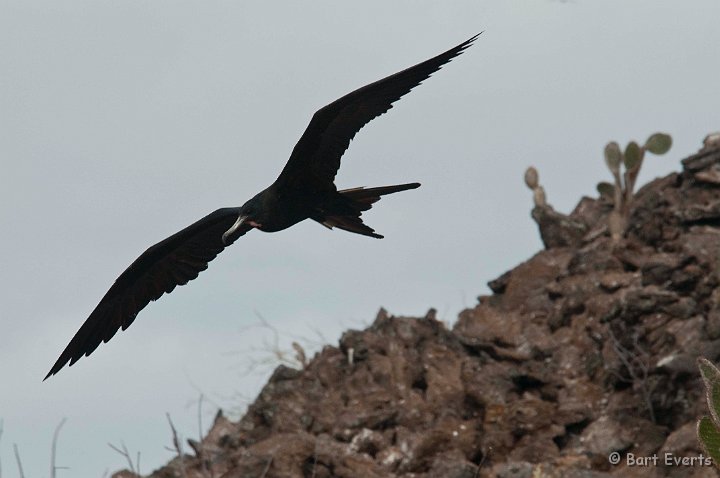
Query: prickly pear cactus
point(532, 179)
point(621, 192)
point(708, 428)
point(658, 143)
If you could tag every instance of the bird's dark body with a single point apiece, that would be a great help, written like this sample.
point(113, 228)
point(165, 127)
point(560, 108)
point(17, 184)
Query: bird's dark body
point(305, 189)
point(282, 209)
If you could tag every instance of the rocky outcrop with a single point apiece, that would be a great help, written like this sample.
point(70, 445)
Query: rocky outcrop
point(586, 349)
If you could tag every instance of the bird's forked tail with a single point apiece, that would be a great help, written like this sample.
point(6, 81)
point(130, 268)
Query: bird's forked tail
point(349, 204)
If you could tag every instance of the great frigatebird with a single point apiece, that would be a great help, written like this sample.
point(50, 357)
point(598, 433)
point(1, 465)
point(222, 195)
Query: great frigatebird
point(305, 189)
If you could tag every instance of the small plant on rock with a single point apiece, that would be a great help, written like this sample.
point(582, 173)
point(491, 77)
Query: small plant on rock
point(532, 179)
point(708, 428)
point(621, 192)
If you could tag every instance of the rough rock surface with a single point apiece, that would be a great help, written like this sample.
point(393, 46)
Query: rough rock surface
point(587, 348)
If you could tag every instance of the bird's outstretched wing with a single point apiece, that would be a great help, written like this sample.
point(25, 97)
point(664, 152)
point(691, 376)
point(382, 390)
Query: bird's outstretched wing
point(316, 157)
point(169, 263)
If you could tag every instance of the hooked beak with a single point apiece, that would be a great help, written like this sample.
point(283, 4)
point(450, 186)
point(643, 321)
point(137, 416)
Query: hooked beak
point(240, 220)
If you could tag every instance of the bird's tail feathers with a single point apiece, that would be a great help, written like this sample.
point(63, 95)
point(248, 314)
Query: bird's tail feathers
point(345, 212)
point(363, 198)
point(350, 224)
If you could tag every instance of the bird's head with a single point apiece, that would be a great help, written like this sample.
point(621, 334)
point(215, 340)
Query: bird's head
point(252, 211)
point(248, 217)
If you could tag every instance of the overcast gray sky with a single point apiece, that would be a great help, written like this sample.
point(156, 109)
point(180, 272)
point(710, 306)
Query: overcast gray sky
point(123, 122)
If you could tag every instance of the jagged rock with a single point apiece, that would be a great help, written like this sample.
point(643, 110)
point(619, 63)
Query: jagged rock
point(558, 230)
point(452, 466)
point(606, 435)
point(586, 348)
point(124, 474)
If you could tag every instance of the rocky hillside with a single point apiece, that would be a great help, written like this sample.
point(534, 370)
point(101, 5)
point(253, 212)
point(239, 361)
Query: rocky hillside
point(585, 349)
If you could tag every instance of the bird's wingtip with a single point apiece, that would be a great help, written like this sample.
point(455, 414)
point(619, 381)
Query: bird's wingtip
point(59, 364)
point(460, 49)
point(470, 40)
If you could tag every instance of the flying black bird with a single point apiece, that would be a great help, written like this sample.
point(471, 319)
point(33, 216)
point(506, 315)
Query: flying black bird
point(305, 189)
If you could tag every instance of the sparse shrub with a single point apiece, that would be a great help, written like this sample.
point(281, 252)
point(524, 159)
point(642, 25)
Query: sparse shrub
point(625, 167)
point(708, 428)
